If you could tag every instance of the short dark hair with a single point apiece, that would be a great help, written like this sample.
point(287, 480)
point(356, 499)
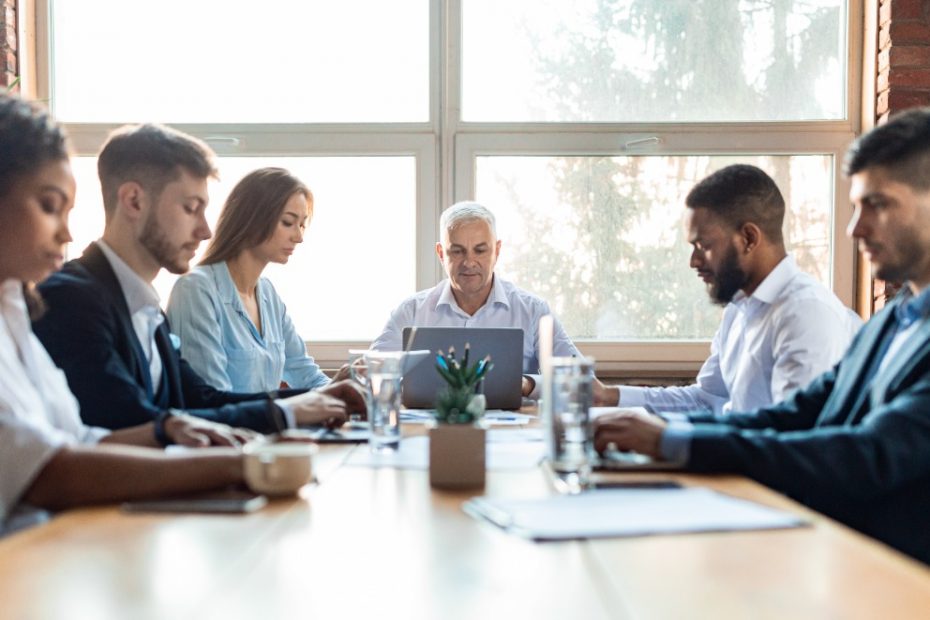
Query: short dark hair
point(29, 138)
point(902, 145)
point(151, 155)
point(741, 194)
point(252, 211)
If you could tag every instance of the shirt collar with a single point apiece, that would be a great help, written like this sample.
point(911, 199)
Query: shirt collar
point(912, 308)
point(497, 295)
point(139, 294)
point(227, 288)
point(771, 287)
point(11, 295)
point(224, 282)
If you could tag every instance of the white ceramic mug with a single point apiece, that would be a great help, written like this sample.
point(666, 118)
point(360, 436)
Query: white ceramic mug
point(278, 468)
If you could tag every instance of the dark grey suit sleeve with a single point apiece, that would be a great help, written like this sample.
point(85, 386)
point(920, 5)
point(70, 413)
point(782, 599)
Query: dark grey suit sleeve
point(888, 450)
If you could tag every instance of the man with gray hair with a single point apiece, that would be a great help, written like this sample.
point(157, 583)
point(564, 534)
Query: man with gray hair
point(473, 296)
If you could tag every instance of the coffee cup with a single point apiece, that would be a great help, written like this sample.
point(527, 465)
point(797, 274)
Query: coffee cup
point(278, 468)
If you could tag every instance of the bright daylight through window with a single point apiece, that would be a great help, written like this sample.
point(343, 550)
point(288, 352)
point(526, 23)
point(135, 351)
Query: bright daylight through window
point(581, 124)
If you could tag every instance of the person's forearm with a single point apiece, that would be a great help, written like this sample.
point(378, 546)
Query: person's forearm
point(80, 475)
point(142, 435)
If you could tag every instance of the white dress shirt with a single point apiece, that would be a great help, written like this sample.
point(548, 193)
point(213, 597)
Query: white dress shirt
point(38, 413)
point(507, 306)
point(144, 310)
point(789, 331)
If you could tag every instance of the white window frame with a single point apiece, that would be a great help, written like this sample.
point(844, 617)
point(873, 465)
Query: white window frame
point(446, 148)
point(470, 140)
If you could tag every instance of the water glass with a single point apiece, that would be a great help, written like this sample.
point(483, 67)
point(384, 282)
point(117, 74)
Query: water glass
point(570, 442)
point(382, 375)
point(358, 372)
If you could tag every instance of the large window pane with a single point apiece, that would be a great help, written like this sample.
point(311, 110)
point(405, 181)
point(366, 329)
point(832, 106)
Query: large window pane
point(232, 61)
point(358, 255)
point(603, 238)
point(654, 60)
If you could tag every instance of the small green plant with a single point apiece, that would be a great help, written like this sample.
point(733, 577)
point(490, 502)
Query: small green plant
point(458, 403)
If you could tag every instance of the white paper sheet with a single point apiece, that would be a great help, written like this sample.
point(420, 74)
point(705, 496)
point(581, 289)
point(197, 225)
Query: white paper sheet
point(414, 454)
point(515, 435)
point(628, 512)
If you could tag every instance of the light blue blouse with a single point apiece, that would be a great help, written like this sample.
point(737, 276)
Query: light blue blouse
point(220, 342)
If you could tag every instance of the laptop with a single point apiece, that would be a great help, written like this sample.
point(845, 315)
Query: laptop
point(501, 386)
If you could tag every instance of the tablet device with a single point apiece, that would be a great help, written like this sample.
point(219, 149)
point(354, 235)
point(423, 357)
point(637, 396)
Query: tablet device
point(229, 502)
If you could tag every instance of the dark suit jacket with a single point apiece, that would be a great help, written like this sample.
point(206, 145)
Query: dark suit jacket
point(89, 334)
point(855, 450)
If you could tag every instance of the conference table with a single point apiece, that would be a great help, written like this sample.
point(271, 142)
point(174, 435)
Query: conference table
point(380, 543)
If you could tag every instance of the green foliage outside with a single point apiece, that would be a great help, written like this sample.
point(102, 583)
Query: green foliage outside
point(621, 277)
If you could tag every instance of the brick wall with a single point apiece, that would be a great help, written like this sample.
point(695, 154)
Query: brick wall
point(903, 79)
point(8, 61)
point(903, 56)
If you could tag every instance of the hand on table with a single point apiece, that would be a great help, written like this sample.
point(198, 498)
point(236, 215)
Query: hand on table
point(342, 374)
point(187, 430)
point(629, 430)
point(315, 408)
point(350, 393)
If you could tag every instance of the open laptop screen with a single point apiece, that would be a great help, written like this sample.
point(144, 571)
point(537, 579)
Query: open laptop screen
point(501, 386)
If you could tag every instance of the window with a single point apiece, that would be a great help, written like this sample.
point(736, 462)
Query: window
point(602, 238)
point(342, 101)
point(321, 284)
point(581, 124)
point(278, 61)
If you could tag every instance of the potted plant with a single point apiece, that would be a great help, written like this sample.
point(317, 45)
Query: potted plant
point(457, 438)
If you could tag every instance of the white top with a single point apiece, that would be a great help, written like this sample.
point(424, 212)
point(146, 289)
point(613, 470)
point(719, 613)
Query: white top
point(507, 306)
point(789, 331)
point(144, 310)
point(38, 413)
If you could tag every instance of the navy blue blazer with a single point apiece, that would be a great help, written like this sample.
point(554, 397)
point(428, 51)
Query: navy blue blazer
point(855, 450)
point(89, 334)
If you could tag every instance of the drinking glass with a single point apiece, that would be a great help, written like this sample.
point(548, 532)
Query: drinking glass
point(381, 379)
point(571, 445)
point(358, 372)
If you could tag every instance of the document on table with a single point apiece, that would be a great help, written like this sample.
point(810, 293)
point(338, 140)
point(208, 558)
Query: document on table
point(495, 417)
point(628, 512)
point(413, 453)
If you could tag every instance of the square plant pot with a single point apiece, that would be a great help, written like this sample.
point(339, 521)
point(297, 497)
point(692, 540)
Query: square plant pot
point(456, 456)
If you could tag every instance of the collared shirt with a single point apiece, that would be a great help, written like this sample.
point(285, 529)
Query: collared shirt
point(38, 413)
point(675, 443)
point(219, 340)
point(143, 302)
point(507, 306)
point(770, 343)
point(908, 315)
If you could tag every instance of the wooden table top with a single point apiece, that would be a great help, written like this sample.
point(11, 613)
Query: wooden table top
point(380, 543)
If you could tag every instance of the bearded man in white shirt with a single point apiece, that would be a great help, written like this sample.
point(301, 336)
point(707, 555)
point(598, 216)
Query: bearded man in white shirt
point(780, 328)
point(473, 296)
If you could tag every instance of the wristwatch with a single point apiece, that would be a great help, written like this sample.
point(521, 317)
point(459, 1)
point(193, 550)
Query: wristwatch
point(161, 435)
